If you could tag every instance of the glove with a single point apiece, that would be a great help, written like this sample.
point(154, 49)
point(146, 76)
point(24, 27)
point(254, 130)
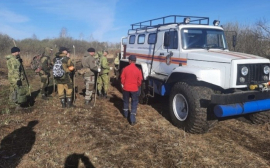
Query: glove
point(98, 69)
point(111, 68)
point(19, 82)
point(122, 85)
point(80, 72)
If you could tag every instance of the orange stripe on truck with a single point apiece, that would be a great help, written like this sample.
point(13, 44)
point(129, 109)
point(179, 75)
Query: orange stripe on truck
point(159, 58)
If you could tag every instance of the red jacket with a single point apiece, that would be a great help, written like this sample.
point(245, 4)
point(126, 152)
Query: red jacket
point(131, 78)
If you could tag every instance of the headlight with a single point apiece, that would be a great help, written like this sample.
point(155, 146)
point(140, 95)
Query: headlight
point(266, 70)
point(265, 78)
point(244, 71)
point(242, 79)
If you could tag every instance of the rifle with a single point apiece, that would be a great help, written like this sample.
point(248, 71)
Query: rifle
point(25, 76)
point(74, 86)
point(53, 85)
point(20, 60)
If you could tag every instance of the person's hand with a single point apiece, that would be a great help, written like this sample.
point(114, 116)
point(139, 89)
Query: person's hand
point(98, 69)
point(19, 82)
point(122, 85)
point(111, 68)
point(80, 72)
point(23, 78)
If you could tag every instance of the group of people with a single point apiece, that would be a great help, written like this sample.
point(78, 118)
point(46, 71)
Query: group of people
point(95, 71)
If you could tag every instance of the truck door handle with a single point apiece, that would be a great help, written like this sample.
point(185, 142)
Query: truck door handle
point(161, 53)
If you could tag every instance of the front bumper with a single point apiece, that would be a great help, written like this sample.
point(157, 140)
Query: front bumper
point(239, 97)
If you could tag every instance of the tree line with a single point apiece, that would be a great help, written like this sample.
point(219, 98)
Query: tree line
point(31, 47)
point(251, 39)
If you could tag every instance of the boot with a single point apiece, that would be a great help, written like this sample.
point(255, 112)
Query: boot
point(100, 94)
point(43, 96)
point(132, 119)
point(63, 102)
point(69, 102)
point(105, 95)
point(86, 102)
point(18, 107)
point(125, 113)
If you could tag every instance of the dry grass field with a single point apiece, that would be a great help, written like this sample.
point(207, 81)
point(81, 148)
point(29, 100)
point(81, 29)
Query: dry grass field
point(45, 135)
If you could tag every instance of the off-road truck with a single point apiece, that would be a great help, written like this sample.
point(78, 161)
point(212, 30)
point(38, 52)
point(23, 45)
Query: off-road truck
point(188, 59)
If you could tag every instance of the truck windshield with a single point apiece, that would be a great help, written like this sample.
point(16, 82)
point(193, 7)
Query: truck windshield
point(194, 38)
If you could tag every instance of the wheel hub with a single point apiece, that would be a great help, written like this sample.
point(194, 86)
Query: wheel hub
point(180, 107)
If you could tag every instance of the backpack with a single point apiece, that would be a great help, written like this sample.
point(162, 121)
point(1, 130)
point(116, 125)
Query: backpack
point(36, 63)
point(58, 70)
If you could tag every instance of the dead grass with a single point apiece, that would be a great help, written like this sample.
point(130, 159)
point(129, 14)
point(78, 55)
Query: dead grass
point(101, 137)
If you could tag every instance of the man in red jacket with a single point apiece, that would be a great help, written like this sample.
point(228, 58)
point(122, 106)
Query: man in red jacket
point(131, 79)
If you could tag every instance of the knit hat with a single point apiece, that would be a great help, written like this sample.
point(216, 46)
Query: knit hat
point(61, 49)
point(15, 49)
point(132, 58)
point(91, 50)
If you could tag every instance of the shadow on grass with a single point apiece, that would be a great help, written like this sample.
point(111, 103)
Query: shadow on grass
point(117, 102)
point(73, 161)
point(15, 145)
point(161, 105)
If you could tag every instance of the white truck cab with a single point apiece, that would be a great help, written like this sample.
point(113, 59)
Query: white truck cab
point(188, 59)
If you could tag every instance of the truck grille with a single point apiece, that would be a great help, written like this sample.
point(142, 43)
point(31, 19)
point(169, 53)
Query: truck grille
point(254, 76)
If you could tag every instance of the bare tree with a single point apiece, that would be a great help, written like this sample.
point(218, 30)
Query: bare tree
point(81, 36)
point(263, 29)
point(63, 33)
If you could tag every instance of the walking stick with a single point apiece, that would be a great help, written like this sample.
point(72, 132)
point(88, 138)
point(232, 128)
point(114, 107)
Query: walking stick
point(96, 91)
point(74, 82)
point(53, 85)
point(74, 88)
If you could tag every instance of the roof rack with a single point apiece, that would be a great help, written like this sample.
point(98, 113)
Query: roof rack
point(166, 20)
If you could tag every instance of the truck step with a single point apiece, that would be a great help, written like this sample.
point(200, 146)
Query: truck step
point(160, 77)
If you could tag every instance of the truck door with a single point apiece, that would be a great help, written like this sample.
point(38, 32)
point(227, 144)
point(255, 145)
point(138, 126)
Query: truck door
point(168, 51)
point(123, 46)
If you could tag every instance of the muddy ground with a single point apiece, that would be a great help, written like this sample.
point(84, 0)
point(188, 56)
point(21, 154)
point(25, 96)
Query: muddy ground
point(45, 135)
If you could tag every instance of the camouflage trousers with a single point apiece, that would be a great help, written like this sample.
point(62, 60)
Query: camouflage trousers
point(18, 94)
point(103, 82)
point(89, 87)
point(44, 82)
point(61, 88)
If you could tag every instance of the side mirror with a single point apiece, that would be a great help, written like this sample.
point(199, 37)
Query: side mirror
point(167, 40)
point(234, 40)
point(124, 41)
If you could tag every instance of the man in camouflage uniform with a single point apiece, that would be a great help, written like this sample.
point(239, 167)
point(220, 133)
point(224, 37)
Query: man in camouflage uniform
point(44, 73)
point(15, 78)
point(103, 79)
point(64, 84)
point(116, 65)
point(89, 70)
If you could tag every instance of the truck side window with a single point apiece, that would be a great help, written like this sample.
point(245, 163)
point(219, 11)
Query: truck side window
point(132, 39)
point(173, 40)
point(141, 39)
point(152, 37)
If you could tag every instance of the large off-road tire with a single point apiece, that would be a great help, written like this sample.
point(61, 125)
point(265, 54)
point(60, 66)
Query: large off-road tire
point(260, 117)
point(143, 98)
point(187, 109)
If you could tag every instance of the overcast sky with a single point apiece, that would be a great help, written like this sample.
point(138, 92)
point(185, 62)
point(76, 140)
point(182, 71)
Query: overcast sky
point(109, 20)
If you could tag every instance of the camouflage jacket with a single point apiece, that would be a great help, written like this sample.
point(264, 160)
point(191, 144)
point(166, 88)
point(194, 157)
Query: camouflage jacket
point(14, 69)
point(116, 60)
point(89, 64)
point(45, 65)
point(45, 61)
point(104, 65)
